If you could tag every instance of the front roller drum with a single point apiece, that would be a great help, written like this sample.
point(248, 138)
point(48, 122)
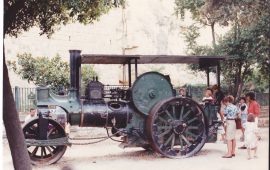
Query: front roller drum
point(44, 155)
point(176, 127)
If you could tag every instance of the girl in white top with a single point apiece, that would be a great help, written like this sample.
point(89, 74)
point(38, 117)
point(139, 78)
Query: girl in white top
point(251, 135)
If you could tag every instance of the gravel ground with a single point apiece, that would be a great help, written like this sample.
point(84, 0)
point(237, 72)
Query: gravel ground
point(107, 155)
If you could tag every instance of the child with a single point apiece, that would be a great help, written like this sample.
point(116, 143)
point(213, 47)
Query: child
point(32, 114)
point(208, 96)
point(243, 109)
point(251, 135)
point(182, 92)
point(221, 128)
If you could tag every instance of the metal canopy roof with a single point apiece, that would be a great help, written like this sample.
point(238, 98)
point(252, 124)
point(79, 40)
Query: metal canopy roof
point(148, 59)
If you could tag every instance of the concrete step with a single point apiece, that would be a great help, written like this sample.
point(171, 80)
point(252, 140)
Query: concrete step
point(263, 115)
point(263, 122)
point(264, 112)
point(264, 107)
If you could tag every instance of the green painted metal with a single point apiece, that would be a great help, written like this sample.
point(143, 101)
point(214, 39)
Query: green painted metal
point(211, 111)
point(148, 89)
point(136, 127)
point(70, 103)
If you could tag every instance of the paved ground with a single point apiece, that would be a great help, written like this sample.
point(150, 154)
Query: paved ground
point(108, 155)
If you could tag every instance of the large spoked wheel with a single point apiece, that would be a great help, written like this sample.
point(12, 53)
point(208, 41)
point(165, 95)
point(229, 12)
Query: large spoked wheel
point(176, 127)
point(44, 155)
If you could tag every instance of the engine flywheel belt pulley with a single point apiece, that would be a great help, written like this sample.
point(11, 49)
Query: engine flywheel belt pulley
point(148, 89)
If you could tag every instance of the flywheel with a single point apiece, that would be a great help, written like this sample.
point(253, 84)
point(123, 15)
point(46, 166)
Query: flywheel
point(148, 89)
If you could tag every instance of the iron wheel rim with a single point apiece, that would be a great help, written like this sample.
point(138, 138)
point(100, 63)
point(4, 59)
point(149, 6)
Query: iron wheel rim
point(44, 155)
point(176, 127)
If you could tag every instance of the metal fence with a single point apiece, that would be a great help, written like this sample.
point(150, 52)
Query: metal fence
point(263, 98)
point(24, 98)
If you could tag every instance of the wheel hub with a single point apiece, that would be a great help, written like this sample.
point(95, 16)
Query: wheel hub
point(179, 126)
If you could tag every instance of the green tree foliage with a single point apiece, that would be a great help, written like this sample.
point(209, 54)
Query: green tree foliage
point(44, 71)
point(249, 49)
point(247, 43)
point(49, 15)
point(223, 12)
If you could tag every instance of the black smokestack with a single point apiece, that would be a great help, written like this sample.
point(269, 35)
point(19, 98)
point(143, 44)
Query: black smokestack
point(75, 69)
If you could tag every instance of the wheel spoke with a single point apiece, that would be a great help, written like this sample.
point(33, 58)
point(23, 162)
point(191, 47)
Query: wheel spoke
point(49, 149)
point(173, 141)
point(185, 139)
point(34, 151)
point(169, 139)
point(50, 131)
point(191, 120)
point(186, 114)
point(44, 149)
point(164, 133)
point(53, 147)
point(181, 113)
point(41, 152)
point(191, 134)
point(164, 127)
point(168, 113)
point(193, 127)
point(181, 142)
point(162, 120)
point(32, 131)
point(173, 112)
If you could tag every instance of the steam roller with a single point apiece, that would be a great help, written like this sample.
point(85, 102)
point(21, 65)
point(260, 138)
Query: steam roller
point(149, 115)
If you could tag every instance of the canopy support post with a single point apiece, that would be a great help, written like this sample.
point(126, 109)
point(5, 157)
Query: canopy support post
point(136, 68)
point(208, 77)
point(218, 73)
point(129, 73)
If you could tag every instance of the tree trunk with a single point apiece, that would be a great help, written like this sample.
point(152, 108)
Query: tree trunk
point(20, 157)
point(239, 90)
point(213, 34)
point(239, 80)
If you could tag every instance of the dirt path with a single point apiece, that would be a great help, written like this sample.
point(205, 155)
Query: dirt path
point(108, 155)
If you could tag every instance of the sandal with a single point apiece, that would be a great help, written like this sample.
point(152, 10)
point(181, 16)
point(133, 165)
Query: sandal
point(227, 156)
